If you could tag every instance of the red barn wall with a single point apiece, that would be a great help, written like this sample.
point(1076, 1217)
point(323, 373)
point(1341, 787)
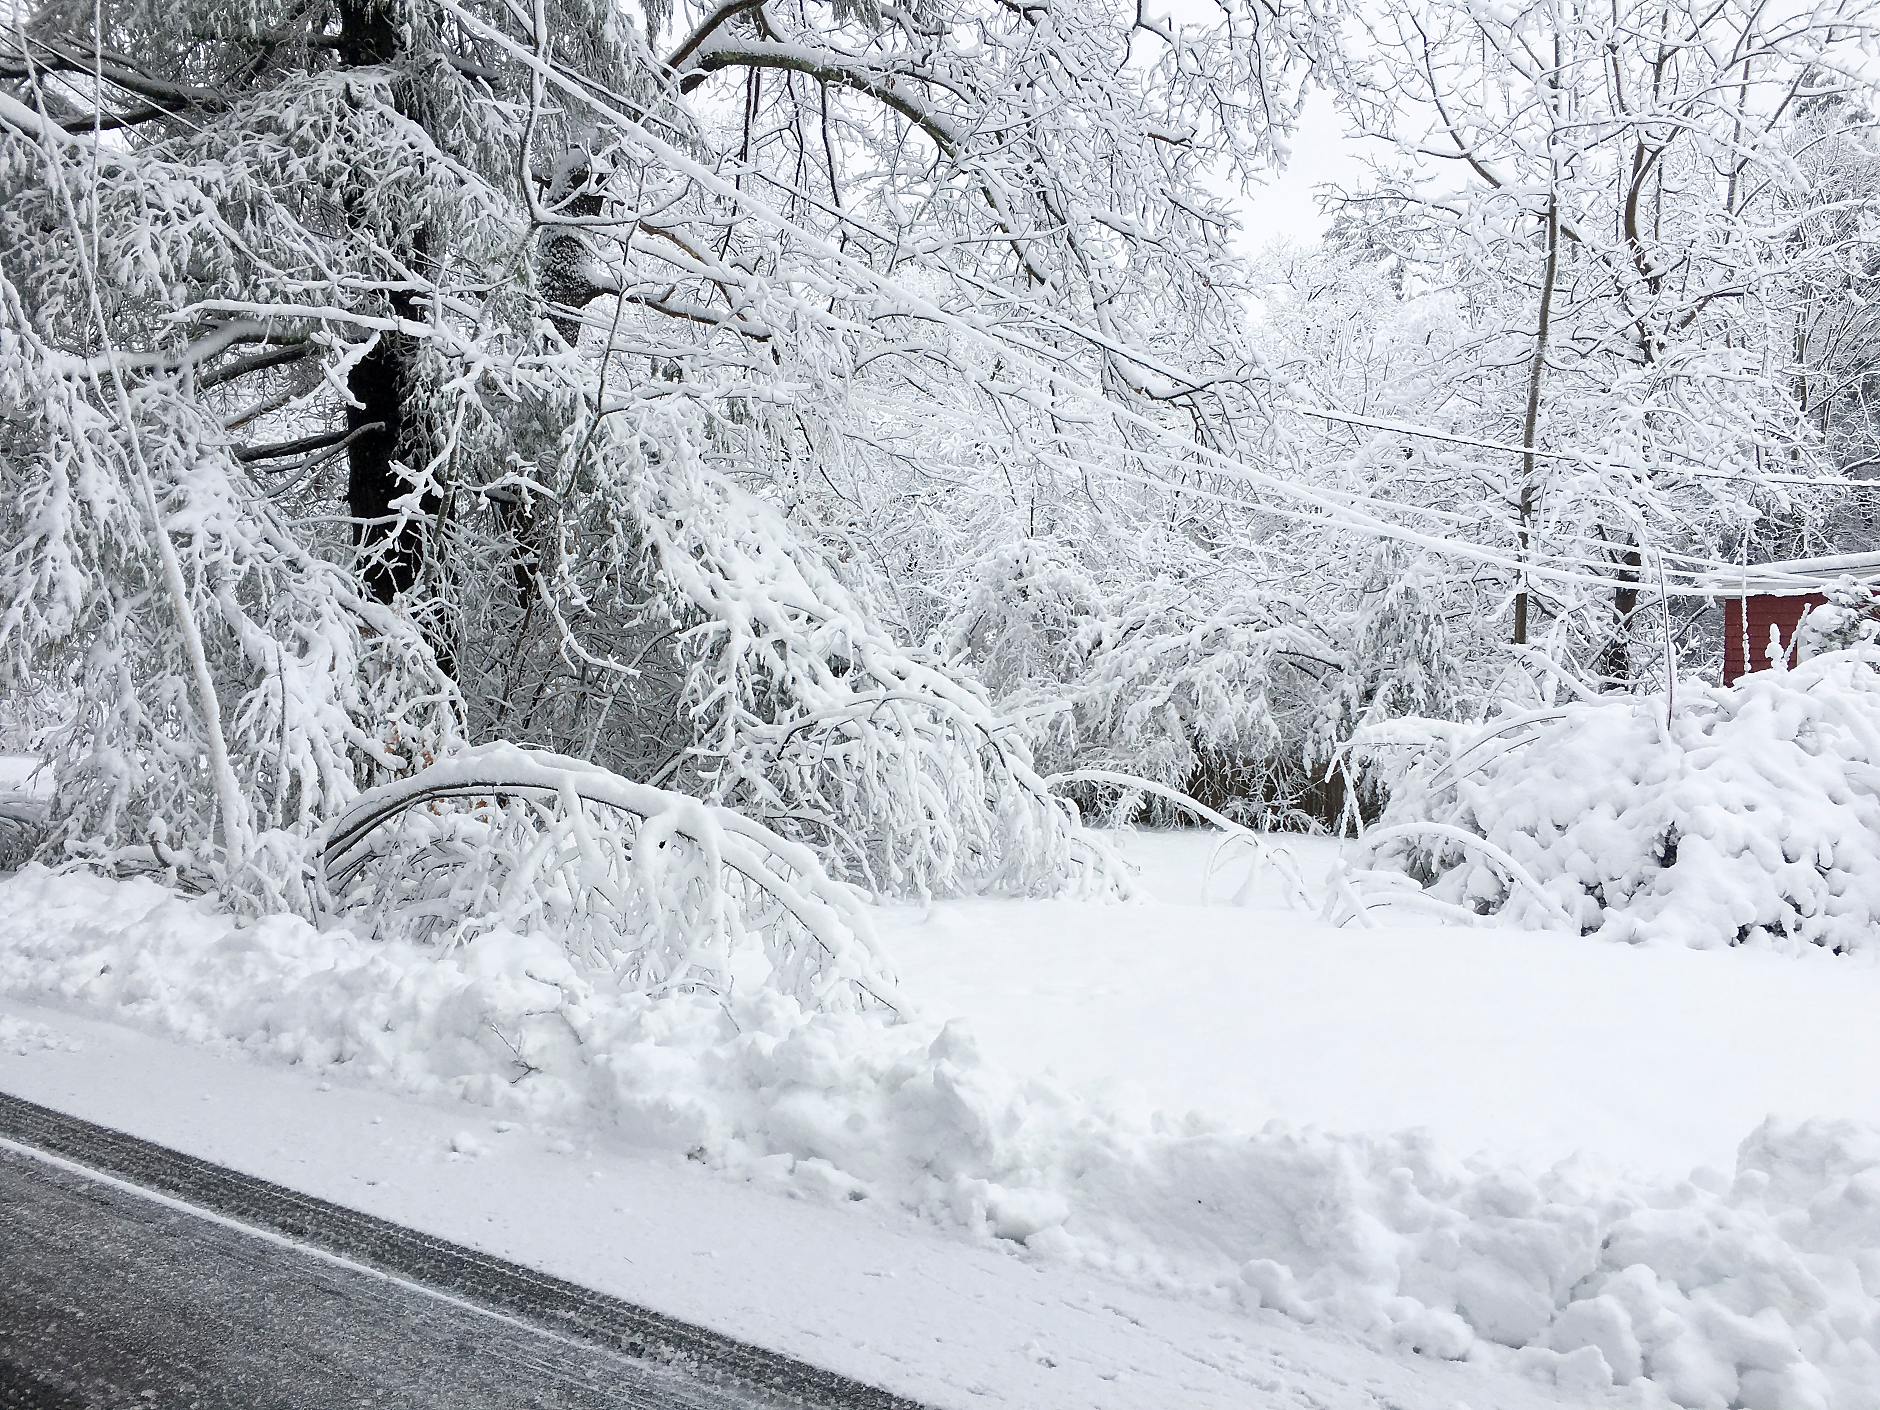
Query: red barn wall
point(1766, 610)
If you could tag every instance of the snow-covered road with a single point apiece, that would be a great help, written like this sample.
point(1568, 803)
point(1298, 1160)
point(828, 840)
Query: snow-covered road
point(110, 1297)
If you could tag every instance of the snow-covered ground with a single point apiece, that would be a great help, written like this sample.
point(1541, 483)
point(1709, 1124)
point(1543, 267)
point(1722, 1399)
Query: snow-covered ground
point(859, 1288)
point(921, 1206)
point(1527, 1046)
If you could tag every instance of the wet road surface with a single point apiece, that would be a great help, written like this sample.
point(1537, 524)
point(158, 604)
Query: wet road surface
point(134, 1276)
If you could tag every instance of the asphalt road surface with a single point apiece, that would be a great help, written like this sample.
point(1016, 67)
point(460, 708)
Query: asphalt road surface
point(194, 1286)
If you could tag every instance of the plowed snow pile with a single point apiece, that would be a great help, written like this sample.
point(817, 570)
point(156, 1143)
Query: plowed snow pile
point(1761, 1290)
point(1748, 815)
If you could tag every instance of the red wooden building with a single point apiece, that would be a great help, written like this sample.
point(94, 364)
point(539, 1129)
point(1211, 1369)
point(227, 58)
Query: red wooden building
point(1767, 597)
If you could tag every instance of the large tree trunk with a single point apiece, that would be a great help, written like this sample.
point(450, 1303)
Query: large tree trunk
point(390, 547)
point(391, 555)
point(1530, 424)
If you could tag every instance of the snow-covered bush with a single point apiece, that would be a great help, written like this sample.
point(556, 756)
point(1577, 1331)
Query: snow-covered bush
point(655, 889)
point(1850, 617)
point(1746, 815)
point(24, 785)
point(19, 838)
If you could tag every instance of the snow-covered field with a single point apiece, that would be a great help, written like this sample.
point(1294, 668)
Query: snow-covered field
point(1528, 1046)
point(979, 1231)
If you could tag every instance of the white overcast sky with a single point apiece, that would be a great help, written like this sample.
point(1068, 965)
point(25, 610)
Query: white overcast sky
point(1321, 154)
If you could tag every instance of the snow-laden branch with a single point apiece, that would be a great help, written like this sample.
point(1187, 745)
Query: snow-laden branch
point(1376, 837)
point(658, 886)
point(1060, 389)
point(1268, 855)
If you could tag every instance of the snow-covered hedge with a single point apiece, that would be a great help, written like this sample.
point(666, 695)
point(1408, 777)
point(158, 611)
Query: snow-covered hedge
point(1746, 815)
point(1756, 1289)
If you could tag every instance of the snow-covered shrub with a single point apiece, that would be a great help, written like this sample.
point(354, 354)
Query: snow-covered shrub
point(1399, 659)
point(656, 889)
point(19, 839)
point(1850, 617)
point(1739, 815)
point(24, 786)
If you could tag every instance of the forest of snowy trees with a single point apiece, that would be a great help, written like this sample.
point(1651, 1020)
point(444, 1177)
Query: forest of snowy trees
point(838, 422)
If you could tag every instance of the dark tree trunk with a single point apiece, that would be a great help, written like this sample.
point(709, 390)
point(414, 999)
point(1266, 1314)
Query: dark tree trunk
point(566, 261)
point(390, 548)
point(1615, 663)
point(390, 557)
point(366, 33)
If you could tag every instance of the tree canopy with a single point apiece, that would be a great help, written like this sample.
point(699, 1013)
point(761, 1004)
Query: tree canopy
point(848, 414)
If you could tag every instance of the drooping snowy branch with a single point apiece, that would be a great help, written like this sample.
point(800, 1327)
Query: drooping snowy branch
point(657, 887)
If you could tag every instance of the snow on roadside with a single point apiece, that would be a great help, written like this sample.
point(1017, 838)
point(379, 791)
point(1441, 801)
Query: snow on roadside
point(923, 1310)
point(19, 1037)
point(1762, 1290)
